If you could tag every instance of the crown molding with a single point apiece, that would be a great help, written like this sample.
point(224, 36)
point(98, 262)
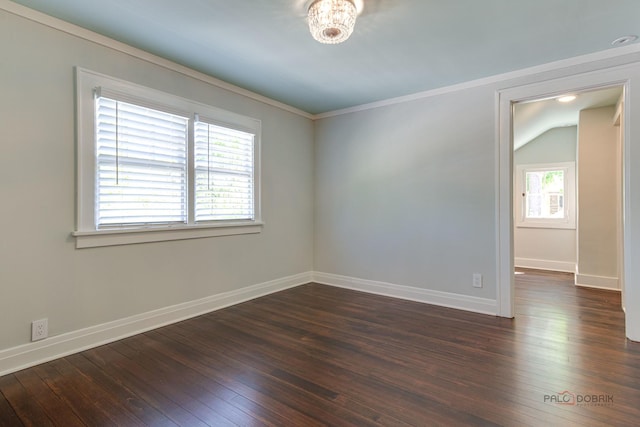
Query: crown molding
point(563, 64)
point(94, 37)
point(83, 33)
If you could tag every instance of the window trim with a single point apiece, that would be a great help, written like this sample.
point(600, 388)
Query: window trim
point(86, 233)
point(569, 220)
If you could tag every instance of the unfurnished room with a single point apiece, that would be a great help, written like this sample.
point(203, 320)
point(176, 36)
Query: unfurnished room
point(320, 213)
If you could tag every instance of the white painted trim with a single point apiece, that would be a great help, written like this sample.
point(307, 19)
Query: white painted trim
point(545, 264)
point(598, 282)
point(94, 239)
point(600, 78)
point(87, 236)
point(83, 33)
point(504, 221)
point(498, 78)
point(35, 353)
point(27, 355)
point(443, 299)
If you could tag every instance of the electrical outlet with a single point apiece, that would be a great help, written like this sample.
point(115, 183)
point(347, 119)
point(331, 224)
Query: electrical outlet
point(477, 280)
point(39, 329)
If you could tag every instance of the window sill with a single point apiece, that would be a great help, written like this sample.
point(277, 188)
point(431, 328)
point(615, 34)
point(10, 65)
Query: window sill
point(94, 239)
point(549, 225)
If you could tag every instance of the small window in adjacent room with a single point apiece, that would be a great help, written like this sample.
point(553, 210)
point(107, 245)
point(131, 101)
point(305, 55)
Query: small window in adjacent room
point(153, 166)
point(545, 195)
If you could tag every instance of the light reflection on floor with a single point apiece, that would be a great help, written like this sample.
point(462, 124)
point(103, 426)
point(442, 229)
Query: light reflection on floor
point(552, 326)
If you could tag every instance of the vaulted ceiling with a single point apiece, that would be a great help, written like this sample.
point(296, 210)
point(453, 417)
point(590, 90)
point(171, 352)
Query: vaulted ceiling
point(532, 119)
point(399, 47)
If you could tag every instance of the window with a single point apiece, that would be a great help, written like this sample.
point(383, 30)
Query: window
point(224, 173)
point(545, 195)
point(141, 165)
point(153, 166)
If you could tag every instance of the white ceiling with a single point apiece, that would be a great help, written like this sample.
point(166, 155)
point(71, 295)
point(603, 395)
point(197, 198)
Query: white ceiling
point(532, 119)
point(399, 47)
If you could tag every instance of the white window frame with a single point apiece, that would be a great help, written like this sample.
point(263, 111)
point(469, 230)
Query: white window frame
point(86, 233)
point(569, 219)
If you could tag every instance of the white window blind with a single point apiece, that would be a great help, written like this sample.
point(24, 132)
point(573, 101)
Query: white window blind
point(141, 165)
point(154, 166)
point(224, 173)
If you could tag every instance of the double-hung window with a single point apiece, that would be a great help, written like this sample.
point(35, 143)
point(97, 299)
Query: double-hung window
point(153, 166)
point(545, 195)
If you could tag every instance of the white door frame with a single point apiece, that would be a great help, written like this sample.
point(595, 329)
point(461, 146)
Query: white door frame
point(504, 158)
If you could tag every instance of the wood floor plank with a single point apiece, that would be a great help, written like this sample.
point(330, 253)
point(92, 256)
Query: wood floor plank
point(301, 396)
point(153, 388)
point(134, 403)
point(173, 360)
point(27, 409)
point(210, 393)
point(346, 417)
point(165, 401)
point(227, 372)
point(318, 355)
point(8, 416)
point(80, 392)
point(482, 347)
point(315, 362)
point(353, 358)
point(56, 409)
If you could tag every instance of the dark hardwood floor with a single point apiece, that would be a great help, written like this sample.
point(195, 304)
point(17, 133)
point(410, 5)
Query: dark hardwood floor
point(317, 355)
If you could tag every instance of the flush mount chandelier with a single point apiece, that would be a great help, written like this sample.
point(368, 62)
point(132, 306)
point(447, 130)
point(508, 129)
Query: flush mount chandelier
point(332, 21)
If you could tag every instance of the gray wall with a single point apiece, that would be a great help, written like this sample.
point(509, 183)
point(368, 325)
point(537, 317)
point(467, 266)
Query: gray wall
point(548, 248)
point(555, 145)
point(597, 197)
point(41, 272)
point(405, 193)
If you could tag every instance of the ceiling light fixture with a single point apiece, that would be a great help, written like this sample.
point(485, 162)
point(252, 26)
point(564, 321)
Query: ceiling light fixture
point(332, 21)
point(566, 98)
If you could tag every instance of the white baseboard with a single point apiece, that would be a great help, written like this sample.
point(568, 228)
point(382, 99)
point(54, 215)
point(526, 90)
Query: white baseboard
point(544, 264)
point(31, 354)
point(444, 299)
point(27, 355)
point(598, 282)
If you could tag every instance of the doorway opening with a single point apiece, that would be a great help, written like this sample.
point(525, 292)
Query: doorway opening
point(567, 163)
point(508, 101)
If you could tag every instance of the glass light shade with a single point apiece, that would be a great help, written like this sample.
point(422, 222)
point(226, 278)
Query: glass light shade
point(332, 21)
point(567, 98)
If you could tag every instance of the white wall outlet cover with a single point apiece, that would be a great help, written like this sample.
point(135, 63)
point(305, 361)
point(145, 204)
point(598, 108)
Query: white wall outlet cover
point(39, 329)
point(477, 280)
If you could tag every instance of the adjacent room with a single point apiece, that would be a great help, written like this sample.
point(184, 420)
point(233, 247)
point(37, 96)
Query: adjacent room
point(319, 212)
